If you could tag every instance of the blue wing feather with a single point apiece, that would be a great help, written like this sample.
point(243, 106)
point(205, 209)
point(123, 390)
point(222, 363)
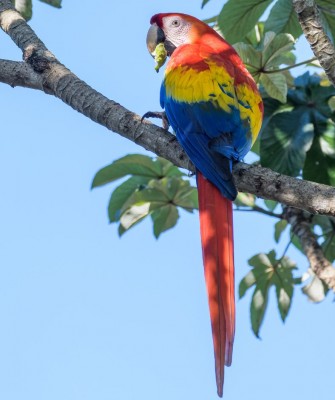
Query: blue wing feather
point(212, 138)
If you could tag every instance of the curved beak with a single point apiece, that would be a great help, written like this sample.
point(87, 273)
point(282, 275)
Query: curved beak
point(154, 37)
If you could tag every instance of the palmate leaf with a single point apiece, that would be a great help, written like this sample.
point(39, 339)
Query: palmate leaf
point(280, 226)
point(264, 61)
point(283, 19)
point(275, 47)
point(300, 135)
point(122, 194)
point(135, 164)
point(160, 199)
point(155, 188)
point(164, 218)
point(271, 205)
point(267, 271)
point(285, 141)
point(319, 167)
point(327, 14)
point(252, 58)
point(54, 3)
point(275, 85)
point(238, 17)
point(327, 225)
point(255, 36)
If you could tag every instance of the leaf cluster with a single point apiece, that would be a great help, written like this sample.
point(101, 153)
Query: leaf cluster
point(155, 188)
point(267, 272)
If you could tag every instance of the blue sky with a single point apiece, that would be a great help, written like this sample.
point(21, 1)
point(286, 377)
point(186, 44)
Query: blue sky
point(87, 315)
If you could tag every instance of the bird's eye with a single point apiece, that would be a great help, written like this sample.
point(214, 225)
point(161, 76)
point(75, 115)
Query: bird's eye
point(175, 22)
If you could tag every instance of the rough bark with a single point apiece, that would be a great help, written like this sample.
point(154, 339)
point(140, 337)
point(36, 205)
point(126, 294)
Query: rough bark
point(321, 45)
point(19, 74)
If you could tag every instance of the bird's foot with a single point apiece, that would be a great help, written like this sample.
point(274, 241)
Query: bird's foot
point(157, 114)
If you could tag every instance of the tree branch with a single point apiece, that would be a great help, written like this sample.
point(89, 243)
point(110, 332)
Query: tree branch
point(41, 70)
point(16, 73)
point(321, 45)
point(301, 226)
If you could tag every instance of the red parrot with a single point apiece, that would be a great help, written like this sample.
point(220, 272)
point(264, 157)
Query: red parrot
point(213, 104)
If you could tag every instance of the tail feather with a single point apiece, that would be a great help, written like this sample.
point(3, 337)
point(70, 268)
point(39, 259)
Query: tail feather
point(216, 226)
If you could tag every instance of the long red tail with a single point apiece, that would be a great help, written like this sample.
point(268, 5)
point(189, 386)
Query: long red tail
point(216, 225)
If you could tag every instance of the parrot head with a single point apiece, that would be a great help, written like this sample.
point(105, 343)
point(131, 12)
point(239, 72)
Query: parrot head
point(174, 30)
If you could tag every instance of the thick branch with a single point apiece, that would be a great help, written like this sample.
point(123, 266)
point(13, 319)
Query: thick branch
point(263, 182)
point(43, 71)
point(321, 45)
point(301, 226)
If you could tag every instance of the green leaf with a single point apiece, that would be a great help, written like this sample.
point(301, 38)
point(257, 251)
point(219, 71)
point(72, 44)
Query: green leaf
point(25, 8)
point(296, 242)
point(317, 164)
point(271, 108)
point(271, 204)
point(284, 283)
point(327, 15)
point(268, 272)
point(153, 195)
point(263, 62)
point(283, 19)
point(246, 283)
point(158, 198)
point(327, 225)
point(132, 164)
point(285, 142)
point(186, 196)
point(255, 36)
point(167, 168)
point(132, 216)
point(280, 226)
point(258, 305)
point(293, 126)
point(54, 3)
point(328, 246)
point(275, 48)
point(140, 204)
point(164, 218)
point(238, 17)
point(275, 85)
point(204, 2)
point(122, 194)
point(250, 57)
point(313, 96)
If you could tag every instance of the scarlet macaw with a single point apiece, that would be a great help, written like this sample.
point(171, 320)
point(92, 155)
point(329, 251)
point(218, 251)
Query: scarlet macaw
point(215, 109)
